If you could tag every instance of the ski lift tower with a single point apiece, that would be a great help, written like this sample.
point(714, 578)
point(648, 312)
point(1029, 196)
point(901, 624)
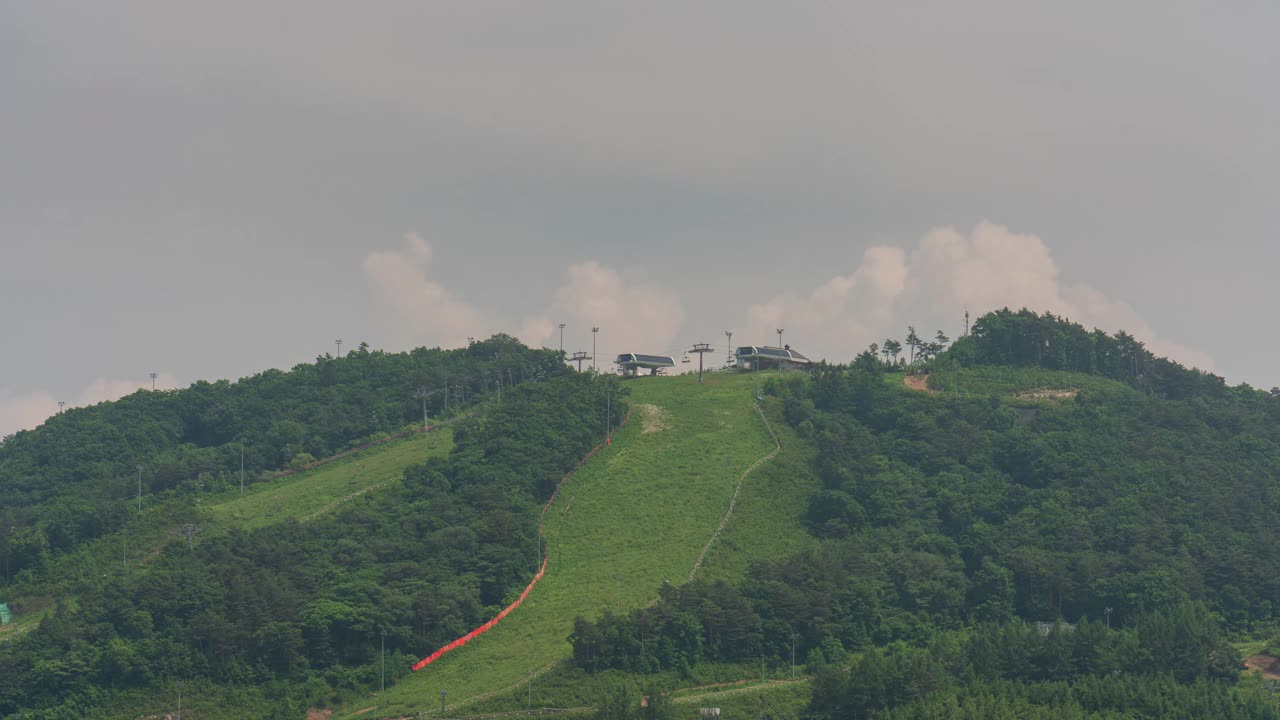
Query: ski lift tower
point(580, 357)
point(701, 349)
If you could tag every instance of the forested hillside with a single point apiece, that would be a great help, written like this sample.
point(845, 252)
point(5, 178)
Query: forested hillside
point(267, 622)
point(67, 481)
point(1134, 517)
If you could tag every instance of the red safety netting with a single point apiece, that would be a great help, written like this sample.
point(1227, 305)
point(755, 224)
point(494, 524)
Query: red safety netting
point(541, 570)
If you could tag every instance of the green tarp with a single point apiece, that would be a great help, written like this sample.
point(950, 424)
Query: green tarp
point(5, 616)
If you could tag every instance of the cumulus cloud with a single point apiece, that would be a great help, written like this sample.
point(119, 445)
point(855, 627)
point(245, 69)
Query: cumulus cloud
point(633, 317)
point(28, 410)
point(427, 313)
point(931, 285)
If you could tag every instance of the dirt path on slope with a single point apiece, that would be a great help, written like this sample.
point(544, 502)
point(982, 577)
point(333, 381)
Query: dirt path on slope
point(918, 382)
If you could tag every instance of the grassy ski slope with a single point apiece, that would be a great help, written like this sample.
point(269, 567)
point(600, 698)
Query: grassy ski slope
point(300, 496)
point(635, 516)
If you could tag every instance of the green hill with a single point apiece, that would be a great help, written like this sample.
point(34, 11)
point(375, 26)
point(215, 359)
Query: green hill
point(633, 518)
point(1038, 520)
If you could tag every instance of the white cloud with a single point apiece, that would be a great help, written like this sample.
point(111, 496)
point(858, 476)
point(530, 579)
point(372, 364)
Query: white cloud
point(931, 286)
point(428, 313)
point(632, 317)
point(28, 410)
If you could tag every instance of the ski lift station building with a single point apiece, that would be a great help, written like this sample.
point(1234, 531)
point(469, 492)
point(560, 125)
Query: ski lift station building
point(632, 363)
point(755, 357)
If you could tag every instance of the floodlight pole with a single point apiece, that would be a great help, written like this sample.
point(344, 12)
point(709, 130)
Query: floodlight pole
point(730, 482)
point(594, 331)
point(139, 488)
point(562, 338)
point(384, 661)
point(61, 404)
point(729, 349)
point(780, 346)
point(339, 344)
point(153, 382)
point(242, 467)
point(422, 393)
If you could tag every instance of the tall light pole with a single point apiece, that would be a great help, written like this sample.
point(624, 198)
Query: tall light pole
point(594, 331)
point(422, 393)
point(242, 467)
point(384, 661)
point(61, 405)
point(729, 353)
point(153, 382)
point(139, 488)
point(338, 342)
point(562, 337)
point(793, 655)
point(780, 361)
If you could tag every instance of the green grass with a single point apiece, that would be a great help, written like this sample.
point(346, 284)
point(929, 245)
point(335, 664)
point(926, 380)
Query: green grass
point(1012, 381)
point(768, 522)
point(637, 515)
point(298, 496)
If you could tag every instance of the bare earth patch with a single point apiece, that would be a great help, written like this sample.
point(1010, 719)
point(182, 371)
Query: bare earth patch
point(318, 714)
point(918, 382)
point(1047, 394)
point(653, 419)
point(1268, 665)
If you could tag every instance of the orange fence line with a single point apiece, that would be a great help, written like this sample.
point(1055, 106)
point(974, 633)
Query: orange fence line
point(541, 570)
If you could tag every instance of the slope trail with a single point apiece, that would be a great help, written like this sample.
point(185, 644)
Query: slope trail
point(643, 510)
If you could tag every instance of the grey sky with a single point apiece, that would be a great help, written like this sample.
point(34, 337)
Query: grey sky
point(198, 191)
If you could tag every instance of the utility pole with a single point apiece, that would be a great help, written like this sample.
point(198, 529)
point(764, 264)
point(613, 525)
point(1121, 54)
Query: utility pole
point(618, 578)
point(139, 488)
point(730, 481)
point(384, 661)
point(242, 467)
point(729, 351)
point(442, 701)
point(339, 343)
point(179, 701)
point(701, 349)
point(562, 338)
point(793, 655)
point(594, 331)
point(446, 392)
point(422, 393)
point(153, 382)
point(966, 321)
point(608, 413)
point(1107, 612)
